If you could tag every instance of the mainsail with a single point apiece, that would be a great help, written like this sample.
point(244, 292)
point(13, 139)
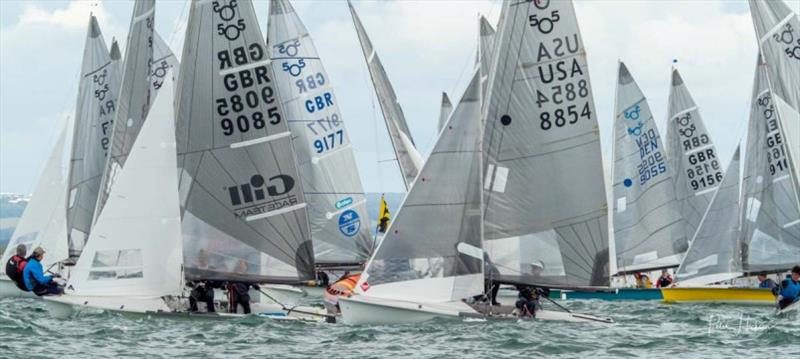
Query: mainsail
point(770, 218)
point(778, 33)
point(94, 114)
point(44, 221)
point(337, 206)
point(545, 220)
point(714, 254)
point(164, 62)
point(444, 111)
point(244, 213)
point(134, 95)
point(692, 156)
point(405, 151)
point(134, 248)
point(432, 250)
point(486, 44)
point(648, 226)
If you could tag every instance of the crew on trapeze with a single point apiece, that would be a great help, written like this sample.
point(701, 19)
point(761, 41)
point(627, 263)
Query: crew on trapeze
point(343, 287)
point(790, 288)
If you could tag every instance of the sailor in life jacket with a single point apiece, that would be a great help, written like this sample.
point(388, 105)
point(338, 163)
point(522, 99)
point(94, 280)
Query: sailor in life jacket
point(341, 288)
point(642, 280)
point(790, 289)
point(16, 265)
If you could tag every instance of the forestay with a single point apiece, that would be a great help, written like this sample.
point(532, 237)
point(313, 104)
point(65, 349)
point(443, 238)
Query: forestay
point(337, 207)
point(545, 220)
point(778, 33)
point(714, 253)
point(244, 214)
point(405, 150)
point(44, 221)
point(94, 114)
point(648, 226)
point(134, 95)
point(134, 249)
point(692, 156)
point(444, 111)
point(770, 218)
point(432, 251)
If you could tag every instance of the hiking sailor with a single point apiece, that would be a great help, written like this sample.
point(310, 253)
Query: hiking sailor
point(790, 288)
point(341, 288)
point(239, 292)
point(766, 283)
point(35, 280)
point(15, 266)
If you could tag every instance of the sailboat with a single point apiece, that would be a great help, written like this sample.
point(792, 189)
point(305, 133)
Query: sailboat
point(525, 244)
point(60, 202)
point(408, 158)
point(751, 231)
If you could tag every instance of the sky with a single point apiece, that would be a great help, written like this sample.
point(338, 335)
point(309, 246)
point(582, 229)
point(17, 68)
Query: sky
point(426, 47)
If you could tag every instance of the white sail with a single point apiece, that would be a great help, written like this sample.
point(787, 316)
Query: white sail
point(778, 34)
point(444, 111)
point(337, 207)
point(93, 126)
point(135, 246)
point(408, 158)
point(44, 221)
point(770, 218)
point(546, 212)
point(486, 44)
point(244, 213)
point(714, 253)
point(432, 250)
point(692, 156)
point(164, 62)
point(134, 95)
point(648, 226)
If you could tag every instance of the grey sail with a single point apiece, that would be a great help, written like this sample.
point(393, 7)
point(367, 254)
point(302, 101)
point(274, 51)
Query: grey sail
point(648, 226)
point(770, 217)
point(444, 111)
point(713, 255)
point(243, 211)
point(408, 158)
point(134, 95)
point(337, 207)
point(94, 114)
point(692, 156)
point(486, 43)
point(546, 211)
point(432, 249)
point(778, 34)
point(164, 62)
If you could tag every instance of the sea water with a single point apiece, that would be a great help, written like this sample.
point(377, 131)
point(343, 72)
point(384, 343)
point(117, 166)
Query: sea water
point(643, 329)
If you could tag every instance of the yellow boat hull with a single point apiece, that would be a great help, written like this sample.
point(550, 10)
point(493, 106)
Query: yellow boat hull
point(718, 295)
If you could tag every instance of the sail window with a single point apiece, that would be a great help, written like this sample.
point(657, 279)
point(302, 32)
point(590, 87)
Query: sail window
point(117, 264)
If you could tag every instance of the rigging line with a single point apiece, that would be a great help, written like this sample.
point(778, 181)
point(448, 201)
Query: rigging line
point(177, 26)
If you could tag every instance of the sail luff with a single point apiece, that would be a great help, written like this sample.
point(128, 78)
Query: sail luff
point(403, 144)
point(444, 111)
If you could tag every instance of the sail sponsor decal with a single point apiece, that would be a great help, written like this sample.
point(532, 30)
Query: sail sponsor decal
point(349, 223)
point(261, 195)
point(343, 202)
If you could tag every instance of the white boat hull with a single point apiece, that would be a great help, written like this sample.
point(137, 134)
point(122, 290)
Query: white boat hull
point(791, 309)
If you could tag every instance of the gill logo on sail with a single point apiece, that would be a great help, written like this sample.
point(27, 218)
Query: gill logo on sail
point(252, 198)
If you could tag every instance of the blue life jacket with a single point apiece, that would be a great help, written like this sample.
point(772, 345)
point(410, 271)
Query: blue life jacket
point(33, 274)
point(790, 289)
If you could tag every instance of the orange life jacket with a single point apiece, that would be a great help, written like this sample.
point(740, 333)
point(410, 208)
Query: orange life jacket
point(342, 288)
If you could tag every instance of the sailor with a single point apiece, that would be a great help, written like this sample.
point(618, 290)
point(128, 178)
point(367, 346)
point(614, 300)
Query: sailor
point(490, 287)
point(35, 280)
point(790, 288)
point(664, 280)
point(15, 266)
point(526, 303)
point(202, 291)
point(642, 281)
point(766, 283)
point(239, 292)
point(343, 287)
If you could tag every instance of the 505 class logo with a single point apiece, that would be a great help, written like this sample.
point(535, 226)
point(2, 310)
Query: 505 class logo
point(258, 195)
point(349, 223)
